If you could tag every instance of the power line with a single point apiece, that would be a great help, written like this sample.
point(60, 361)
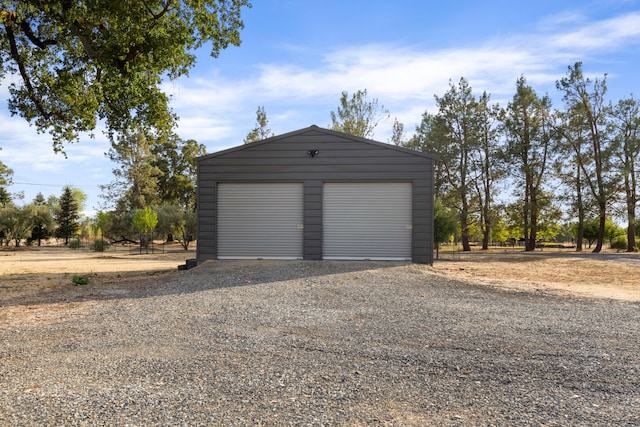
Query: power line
point(55, 185)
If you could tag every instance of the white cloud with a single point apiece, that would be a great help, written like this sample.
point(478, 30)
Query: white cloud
point(611, 33)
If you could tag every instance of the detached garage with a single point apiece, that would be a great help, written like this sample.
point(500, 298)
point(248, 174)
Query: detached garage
point(316, 194)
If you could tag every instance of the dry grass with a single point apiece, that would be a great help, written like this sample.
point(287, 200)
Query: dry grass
point(606, 275)
point(43, 272)
point(33, 275)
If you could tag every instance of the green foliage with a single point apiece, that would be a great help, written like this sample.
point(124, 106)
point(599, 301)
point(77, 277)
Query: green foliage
point(100, 245)
point(612, 231)
point(43, 222)
point(16, 223)
point(67, 215)
point(620, 244)
point(5, 197)
point(444, 221)
point(75, 244)
point(584, 136)
point(117, 225)
point(174, 158)
point(592, 228)
point(5, 179)
point(5, 174)
point(179, 222)
point(454, 134)
point(262, 130)
point(136, 184)
point(78, 62)
point(357, 115)
point(529, 133)
point(80, 280)
point(145, 220)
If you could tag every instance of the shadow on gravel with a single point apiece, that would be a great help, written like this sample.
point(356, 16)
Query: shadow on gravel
point(207, 275)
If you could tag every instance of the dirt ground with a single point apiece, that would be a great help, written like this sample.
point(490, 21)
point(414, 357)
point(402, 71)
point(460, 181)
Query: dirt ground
point(40, 275)
point(610, 274)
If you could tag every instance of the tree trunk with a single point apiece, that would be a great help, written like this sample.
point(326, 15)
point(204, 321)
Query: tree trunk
point(603, 220)
point(631, 214)
point(579, 240)
point(533, 224)
point(464, 227)
point(631, 228)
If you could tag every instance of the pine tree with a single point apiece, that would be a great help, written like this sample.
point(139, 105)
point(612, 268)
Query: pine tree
point(67, 215)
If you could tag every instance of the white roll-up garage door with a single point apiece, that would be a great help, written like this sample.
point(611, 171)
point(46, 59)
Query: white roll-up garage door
point(367, 221)
point(260, 220)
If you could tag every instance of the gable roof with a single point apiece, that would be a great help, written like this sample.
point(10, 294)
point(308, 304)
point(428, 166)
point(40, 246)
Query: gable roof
point(318, 130)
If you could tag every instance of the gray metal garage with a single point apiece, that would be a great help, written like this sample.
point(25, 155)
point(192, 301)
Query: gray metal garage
point(316, 194)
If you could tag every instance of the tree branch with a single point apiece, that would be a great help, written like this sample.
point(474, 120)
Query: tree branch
point(160, 14)
point(42, 44)
point(15, 54)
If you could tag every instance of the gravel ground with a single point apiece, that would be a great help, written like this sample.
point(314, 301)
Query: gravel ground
point(320, 343)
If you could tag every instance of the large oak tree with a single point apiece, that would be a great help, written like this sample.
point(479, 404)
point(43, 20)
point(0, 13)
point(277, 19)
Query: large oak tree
point(80, 61)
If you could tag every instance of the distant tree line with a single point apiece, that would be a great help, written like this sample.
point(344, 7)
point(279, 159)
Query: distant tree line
point(154, 190)
point(524, 172)
point(580, 162)
point(153, 196)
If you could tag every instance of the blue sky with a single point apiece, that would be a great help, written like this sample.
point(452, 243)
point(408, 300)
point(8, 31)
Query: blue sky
point(297, 57)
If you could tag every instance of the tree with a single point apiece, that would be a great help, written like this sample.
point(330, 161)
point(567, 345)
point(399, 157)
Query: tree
point(179, 222)
point(262, 130)
point(16, 222)
point(117, 226)
point(358, 116)
point(5, 197)
point(5, 174)
point(444, 224)
point(584, 99)
point(568, 168)
point(136, 184)
point(486, 166)
point(5, 181)
point(145, 221)
point(174, 158)
point(624, 125)
point(591, 231)
point(527, 124)
point(80, 61)
point(67, 215)
point(397, 135)
point(453, 133)
point(43, 222)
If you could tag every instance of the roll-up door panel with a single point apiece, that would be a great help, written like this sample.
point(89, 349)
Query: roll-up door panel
point(260, 220)
point(367, 221)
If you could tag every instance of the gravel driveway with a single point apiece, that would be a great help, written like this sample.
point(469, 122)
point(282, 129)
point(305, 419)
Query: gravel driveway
point(320, 343)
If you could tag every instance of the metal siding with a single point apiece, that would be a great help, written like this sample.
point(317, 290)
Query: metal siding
point(367, 221)
point(312, 220)
point(341, 158)
point(260, 220)
point(206, 228)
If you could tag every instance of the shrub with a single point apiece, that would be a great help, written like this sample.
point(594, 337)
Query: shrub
point(100, 245)
point(80, 280)
point(620, 244)
point(74, 243)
